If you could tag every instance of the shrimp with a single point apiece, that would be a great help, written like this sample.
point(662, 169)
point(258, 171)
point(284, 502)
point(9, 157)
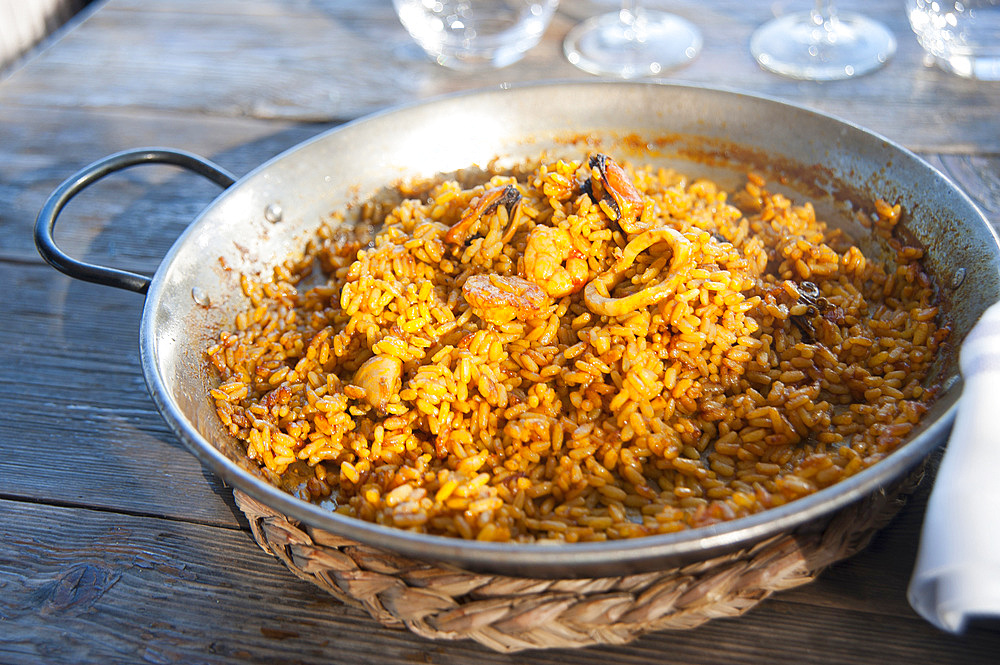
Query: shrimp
point(616, 194)
point(507, 196)
point(545, 254)
point(608, 306)
point(499, 299)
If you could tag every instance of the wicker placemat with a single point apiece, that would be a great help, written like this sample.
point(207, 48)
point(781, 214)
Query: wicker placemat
point(511, 614)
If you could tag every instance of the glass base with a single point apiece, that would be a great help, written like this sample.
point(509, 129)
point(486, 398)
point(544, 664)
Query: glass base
point(960, 38)
point(631, 46)
point(981, 68)
point(803, 46)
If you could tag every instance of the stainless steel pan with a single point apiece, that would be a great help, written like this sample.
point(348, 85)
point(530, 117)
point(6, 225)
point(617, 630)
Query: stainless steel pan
point(262, 217)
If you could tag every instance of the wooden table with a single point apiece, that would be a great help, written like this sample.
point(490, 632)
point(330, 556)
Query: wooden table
point(115, 544)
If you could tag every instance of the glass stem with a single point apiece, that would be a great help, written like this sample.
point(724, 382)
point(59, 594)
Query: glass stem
point(824, 15)
point(824, 10)
point(631, 17)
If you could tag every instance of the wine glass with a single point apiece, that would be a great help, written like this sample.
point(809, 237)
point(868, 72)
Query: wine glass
point(822, 44)
point(632, 42)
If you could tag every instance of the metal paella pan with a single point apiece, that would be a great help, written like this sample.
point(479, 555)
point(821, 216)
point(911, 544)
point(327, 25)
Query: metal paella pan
point(260, 218)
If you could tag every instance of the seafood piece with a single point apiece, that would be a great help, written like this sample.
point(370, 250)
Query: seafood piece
point(379, 377)
point(507, 196)
point(499, 298)
point(551, 261)
point(817, 308)
point(608, 306)
point(621, 200)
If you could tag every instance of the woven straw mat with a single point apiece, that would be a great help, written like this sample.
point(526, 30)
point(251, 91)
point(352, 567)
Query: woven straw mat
point(511, 614)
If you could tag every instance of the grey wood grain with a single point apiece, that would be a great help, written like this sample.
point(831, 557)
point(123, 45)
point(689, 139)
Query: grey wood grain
point(978, 176)
point(336, 59)
point(116, 546)
point(81, 588)
point(79, 427)
point(132, 217)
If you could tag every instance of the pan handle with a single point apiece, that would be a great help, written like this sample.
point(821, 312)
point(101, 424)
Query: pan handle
point(46, 221)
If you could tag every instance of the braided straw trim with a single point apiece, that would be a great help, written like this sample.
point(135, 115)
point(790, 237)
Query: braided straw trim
point(511, 614)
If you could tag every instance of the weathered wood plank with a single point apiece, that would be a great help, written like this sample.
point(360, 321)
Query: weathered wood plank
point(336, 60)
point(978, 176)
point(79, 427)
point(132, 218)
point(115, 545)
point(82, 586)
point(85, 586)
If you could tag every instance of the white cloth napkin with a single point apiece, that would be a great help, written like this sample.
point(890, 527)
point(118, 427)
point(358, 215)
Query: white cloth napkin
point(957, 573)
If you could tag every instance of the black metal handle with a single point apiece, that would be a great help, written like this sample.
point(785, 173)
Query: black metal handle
point(46, 220)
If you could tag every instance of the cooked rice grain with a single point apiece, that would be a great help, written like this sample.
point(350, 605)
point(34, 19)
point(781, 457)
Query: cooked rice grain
point(735, 394)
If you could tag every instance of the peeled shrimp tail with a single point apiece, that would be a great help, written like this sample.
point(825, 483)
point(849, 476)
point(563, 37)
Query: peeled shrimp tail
point(551, 261)
point(500, 298)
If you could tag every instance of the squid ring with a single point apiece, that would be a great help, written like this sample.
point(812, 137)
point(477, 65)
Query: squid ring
point(607, 306)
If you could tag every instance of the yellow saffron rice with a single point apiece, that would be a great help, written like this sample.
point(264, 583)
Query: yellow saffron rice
point(531, 366)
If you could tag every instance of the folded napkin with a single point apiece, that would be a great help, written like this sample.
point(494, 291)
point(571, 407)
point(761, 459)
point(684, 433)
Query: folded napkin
point(957, 574)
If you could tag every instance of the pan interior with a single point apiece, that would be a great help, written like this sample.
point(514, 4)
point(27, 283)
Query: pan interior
point(269, 214)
